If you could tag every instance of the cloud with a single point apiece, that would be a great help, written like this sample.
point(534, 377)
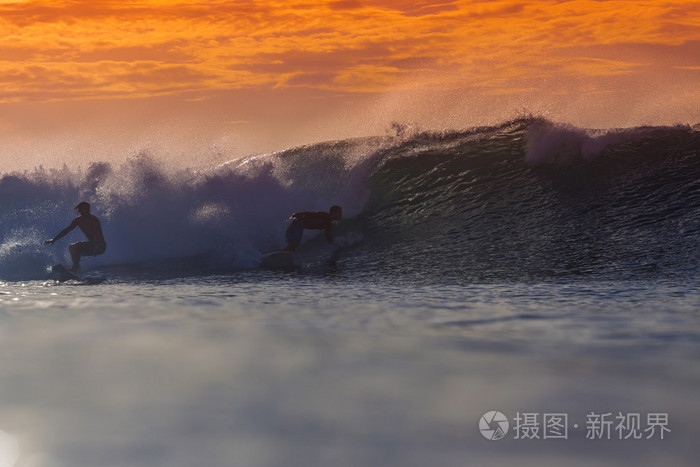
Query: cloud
point(345, 5)
point(78, 49)
point(420, 7)
point(311, 79)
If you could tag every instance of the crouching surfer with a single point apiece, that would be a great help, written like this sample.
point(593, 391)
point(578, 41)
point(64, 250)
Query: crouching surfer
point(90, 225)
point(319, 220)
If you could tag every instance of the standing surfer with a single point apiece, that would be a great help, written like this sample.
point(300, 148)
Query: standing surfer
point(90, 225)
point(319, 220)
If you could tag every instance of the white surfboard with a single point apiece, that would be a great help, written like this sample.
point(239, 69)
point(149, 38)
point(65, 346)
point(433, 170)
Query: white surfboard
point(62, 273)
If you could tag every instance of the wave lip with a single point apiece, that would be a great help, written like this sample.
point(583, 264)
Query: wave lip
point(549, 142)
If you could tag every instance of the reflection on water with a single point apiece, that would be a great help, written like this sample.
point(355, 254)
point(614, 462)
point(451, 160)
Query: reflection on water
point(280, 370)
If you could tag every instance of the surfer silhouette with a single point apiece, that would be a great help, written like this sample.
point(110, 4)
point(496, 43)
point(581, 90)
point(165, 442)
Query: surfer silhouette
point(90, 225)
point(319, 220)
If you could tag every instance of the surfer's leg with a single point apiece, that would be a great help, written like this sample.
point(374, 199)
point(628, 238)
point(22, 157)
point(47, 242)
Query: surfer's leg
point(97, 248)
point(293, 235)
point(75, 252)
point(79, 249)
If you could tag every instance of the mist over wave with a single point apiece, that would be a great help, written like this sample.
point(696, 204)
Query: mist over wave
point(529, 197)
point(231, 214)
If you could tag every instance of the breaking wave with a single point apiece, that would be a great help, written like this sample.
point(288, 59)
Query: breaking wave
point(526, 199)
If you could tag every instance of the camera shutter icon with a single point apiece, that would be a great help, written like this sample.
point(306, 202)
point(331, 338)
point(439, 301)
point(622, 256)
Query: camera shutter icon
point(494, 425)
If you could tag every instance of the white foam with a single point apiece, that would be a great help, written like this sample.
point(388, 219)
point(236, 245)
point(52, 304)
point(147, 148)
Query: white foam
point(555, 142)
point(233, 212)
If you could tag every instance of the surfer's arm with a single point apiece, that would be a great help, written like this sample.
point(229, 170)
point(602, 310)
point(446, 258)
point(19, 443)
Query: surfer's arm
point(329, 234)
point(63, 232)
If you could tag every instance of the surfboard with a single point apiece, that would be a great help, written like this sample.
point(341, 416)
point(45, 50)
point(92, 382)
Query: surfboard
point(280, 260)
point(62, 273)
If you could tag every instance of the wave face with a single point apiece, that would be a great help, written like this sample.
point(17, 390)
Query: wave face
point(529, 199)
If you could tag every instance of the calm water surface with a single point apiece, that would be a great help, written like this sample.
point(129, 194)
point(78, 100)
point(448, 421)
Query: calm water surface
point(280, 369)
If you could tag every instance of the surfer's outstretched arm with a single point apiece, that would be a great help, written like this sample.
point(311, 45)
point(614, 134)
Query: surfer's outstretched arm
point(63, 232)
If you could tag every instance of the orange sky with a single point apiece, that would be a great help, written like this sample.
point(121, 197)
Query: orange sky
point(261, 75)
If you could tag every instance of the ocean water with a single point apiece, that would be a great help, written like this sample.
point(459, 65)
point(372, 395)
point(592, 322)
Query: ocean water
point(535, 269)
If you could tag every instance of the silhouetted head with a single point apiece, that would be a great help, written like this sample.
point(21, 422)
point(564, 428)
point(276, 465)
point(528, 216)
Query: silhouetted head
point(336, 213)
point(83, 207)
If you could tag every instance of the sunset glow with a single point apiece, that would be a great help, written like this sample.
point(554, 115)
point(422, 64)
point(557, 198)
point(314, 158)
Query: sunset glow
point(533, 54)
